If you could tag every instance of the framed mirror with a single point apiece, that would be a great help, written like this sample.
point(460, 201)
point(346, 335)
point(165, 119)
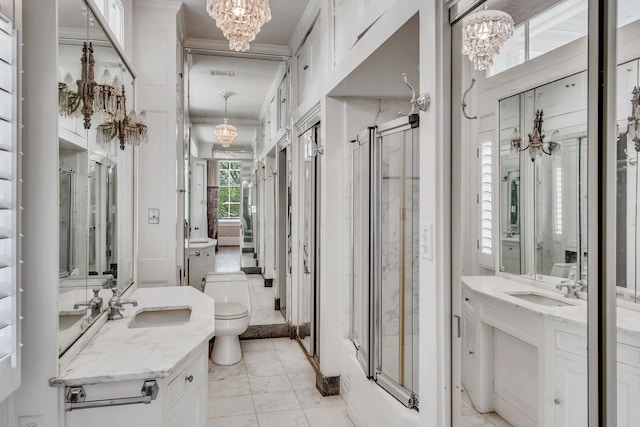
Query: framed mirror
point(96, 170)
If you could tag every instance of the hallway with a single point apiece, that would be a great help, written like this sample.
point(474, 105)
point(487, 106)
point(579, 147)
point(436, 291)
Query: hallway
point(272, 386)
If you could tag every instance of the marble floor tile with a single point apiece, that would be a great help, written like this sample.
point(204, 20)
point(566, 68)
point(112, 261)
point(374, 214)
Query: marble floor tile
point(311, 398)
point(286, 344)
point(227, 406)
point(249, 420)
point(221, 372)
point(295, 418)
point(260, 357)
point(229, 387)
point(335, 416)
point(303, 381)
point(249, 346)
point(279, 401)
point(298, 367)
point(270, 369)
point(260, 385)
point(292, 355)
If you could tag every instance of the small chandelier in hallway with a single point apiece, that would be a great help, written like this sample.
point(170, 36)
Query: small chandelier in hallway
point(483, 34)
point(226, 132)
point(239, 20)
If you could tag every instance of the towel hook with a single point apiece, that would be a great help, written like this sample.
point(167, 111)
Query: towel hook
point(423, 102)
point(464, 101)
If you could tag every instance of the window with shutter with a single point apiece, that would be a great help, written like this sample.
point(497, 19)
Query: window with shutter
point(9, 212)
point(485, 204)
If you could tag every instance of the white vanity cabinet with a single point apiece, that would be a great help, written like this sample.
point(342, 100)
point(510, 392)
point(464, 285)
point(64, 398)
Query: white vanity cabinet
point(181, 400)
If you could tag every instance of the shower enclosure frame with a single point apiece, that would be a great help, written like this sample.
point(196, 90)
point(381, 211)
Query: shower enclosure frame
point(369, 348)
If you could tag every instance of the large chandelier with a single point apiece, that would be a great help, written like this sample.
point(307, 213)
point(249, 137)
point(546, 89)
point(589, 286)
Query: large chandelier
point(239, 20)
point(106, 99)
point(483, 34)
point(226, 132)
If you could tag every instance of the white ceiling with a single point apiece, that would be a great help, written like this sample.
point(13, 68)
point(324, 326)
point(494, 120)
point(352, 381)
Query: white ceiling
point(285, 15)
point(252, 80)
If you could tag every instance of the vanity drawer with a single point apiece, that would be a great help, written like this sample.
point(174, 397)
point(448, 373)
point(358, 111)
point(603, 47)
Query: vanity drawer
point(188, 378)
point(571, 343)
point(629, 355)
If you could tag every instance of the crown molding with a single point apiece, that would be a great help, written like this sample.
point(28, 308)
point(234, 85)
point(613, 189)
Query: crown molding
point(218, 120)
point(158, 4)
point(308, 19)
point(221, 47)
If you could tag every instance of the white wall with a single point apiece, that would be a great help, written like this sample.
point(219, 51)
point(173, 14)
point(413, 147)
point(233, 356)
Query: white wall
point(40, 194)
point(155, 61)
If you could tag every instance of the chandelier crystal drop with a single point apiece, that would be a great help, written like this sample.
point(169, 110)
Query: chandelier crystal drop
point(239, 20)
point(226, 133)
point(483, 34)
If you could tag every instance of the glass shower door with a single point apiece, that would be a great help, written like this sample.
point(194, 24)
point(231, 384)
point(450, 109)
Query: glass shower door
point(396, 271)
point(308, 327)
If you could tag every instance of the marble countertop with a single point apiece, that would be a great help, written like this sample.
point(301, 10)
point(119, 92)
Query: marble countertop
point(118, 353)
point(499, 289)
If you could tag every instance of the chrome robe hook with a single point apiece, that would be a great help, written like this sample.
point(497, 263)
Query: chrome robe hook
point(423, 102)
point(464, 101)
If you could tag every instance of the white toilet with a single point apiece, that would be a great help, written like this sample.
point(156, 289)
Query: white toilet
point(232, 311)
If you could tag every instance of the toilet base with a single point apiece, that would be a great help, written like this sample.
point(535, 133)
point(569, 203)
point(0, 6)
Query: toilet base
point(226, 350)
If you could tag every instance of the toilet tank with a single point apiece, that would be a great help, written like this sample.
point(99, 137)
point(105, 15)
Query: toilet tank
point(229, 291)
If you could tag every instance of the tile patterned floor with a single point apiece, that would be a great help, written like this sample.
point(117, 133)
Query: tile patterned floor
point(272, 386)
point(472, 418)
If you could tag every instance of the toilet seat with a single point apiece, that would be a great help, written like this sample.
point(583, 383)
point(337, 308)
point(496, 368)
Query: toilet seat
point(230, 310)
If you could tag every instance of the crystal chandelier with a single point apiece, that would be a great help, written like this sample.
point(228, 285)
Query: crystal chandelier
point(239, 20)
point(108, 98)
point(226, 132)
point(483, 34)
point(537, 145)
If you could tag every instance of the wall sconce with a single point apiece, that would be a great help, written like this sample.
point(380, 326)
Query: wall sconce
point(537, 144)
point(108, 97)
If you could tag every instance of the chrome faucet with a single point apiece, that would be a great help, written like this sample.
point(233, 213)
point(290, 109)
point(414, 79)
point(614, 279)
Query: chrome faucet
point(95, 304)
point(116, 305)
point(573, 287)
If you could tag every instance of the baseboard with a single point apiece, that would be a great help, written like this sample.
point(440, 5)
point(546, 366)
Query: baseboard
point(279, 330)
point(327, 386)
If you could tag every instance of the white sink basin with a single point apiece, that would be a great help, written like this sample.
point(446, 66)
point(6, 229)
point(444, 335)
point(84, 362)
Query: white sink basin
point(157, 317)
point(540, 299)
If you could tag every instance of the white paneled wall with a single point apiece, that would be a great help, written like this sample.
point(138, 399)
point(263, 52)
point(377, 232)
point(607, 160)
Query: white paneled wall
point(155, 61)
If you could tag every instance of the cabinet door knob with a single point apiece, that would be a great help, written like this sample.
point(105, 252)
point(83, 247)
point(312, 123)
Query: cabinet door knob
point(556, 401)
point(189, 378)
point(467, 299)
point(305, 67)
point(470, 351)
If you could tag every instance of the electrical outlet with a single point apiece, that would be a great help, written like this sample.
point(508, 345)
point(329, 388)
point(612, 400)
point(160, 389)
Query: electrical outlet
point(31, 421)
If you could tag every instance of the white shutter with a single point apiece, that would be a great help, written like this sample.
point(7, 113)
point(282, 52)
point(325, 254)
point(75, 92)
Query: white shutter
point(485, 201)
point(9, 212)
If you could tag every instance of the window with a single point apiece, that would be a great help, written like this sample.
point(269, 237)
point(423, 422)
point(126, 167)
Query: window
point(558, 197)
point(229, 192)
point(485, 203)
point(113, 13)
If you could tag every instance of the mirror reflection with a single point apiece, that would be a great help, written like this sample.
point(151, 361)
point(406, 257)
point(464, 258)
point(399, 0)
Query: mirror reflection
point(96, 194)
point(543, 168)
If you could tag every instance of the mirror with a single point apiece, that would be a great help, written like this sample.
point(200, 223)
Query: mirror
point(96, 176)
point(551, 244)
point(543, 188)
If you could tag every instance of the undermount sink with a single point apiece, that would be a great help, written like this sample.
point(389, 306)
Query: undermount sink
point(540, 299)
point(156, 317)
